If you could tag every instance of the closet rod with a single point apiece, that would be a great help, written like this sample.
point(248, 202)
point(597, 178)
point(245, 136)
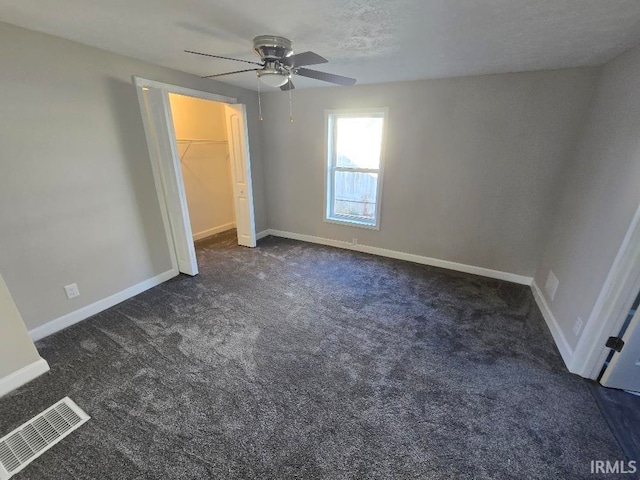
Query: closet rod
point(199, 140)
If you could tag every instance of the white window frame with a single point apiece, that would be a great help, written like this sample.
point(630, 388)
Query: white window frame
point(330, 165)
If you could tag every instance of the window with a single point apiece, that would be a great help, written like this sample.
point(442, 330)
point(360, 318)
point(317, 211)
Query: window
point(355, 144)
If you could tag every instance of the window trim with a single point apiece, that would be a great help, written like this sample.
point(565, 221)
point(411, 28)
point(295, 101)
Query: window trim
point(329, 166)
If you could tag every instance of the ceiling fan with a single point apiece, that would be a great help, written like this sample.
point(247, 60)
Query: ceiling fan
point(279, 64)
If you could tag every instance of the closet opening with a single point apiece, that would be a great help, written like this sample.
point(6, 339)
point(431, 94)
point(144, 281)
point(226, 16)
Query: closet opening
point(201, 166)
point(202, 145)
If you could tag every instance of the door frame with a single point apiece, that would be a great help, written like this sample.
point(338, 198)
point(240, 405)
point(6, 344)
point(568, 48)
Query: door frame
point(616, 297)
point(176, 231)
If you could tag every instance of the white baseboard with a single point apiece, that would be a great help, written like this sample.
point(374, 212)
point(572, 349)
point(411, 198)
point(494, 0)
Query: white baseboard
point(83, 313)
point(410, 257)
point(262, 234)
point(558, 336)
point(212, 231)
point(24, 375)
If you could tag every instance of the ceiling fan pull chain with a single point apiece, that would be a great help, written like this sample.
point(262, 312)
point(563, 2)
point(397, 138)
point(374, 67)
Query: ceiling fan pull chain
point(290, 107)
point(259, 102)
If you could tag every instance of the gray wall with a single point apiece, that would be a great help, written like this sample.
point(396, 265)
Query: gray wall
point(472, 164)
point(16, 348)
point(601, 193)
point(77, 197)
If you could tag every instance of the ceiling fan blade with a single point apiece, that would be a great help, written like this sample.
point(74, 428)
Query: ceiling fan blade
point(231, 73)
point(304, 58)
point(287, 86)
point(325, 77)
point(224, 58)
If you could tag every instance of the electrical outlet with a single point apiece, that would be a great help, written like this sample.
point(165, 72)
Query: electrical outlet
point(72, 291)
point(551, 286)
point(354, 241)
point(577, 326)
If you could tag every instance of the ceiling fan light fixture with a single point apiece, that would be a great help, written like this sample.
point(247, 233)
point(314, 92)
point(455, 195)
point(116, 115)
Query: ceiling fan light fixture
point(273, 78)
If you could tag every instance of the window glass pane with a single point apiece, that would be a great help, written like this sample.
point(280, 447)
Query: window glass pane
point(359, 141)
point(355, 194)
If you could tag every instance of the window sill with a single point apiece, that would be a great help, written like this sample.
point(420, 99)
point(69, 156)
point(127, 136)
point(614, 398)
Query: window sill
point(352, 223)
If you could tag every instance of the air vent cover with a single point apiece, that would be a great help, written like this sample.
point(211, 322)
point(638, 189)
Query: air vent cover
point(32, 439)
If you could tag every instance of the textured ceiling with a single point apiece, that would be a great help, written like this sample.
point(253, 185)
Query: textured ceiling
point(372, 40)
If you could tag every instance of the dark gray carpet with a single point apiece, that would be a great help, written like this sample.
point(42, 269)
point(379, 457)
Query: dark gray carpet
point(621, 410)
point(294, 360)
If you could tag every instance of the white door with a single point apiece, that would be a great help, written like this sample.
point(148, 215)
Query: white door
point(160, 128)
point(241, 173)
point(623, 371)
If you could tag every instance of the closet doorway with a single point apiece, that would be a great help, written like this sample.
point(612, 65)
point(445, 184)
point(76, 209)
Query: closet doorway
point(205, 163)
point(170, 146)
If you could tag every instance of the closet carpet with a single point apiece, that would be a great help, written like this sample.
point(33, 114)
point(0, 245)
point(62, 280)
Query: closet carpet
point(294, 360)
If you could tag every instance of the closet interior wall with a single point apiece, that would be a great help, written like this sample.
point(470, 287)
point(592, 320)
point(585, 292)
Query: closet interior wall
point(203, 149)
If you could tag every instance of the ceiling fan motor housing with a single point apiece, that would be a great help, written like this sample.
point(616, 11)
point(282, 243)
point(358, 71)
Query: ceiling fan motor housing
point(271, 47)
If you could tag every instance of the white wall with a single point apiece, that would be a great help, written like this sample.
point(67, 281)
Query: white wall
point(16, 348)
point(77, 196)
point(206, 166)
point(19, 359)
point(601, 192)
point(472, 164)
point(198, 118)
